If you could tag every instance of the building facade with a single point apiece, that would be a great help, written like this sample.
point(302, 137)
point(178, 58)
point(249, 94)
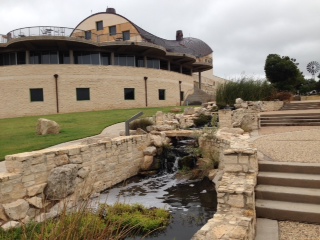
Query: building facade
point(105, 62)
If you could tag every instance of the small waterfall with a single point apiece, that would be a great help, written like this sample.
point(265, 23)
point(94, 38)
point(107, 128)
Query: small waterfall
point(191, 203)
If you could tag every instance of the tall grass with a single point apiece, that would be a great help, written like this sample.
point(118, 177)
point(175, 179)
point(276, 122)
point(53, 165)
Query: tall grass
point(246, 88)
point(110, 222)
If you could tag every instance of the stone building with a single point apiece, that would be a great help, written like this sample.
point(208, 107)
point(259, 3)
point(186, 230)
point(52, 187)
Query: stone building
point(105, 62)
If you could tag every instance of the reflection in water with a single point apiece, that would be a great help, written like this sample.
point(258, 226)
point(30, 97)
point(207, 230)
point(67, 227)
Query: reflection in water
point(191, 203)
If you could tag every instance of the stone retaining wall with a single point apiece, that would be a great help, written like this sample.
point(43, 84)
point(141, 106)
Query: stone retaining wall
point(235, 217)
point(37, 180)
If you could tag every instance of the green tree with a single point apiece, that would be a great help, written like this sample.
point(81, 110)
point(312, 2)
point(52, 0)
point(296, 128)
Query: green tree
point(283, 72)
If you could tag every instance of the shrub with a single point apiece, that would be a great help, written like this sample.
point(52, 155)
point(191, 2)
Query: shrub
point(202, 120)
point(142, 123)
point(136, 217)
point(282, 96)
point(247, 89)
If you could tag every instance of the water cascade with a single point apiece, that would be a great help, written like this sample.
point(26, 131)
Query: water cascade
point(191, 202)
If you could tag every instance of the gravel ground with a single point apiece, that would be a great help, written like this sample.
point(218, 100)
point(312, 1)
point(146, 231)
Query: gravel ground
point(293, 146)
point(298, 231)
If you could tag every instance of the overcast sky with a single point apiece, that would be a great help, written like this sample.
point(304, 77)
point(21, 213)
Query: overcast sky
point(241, 32)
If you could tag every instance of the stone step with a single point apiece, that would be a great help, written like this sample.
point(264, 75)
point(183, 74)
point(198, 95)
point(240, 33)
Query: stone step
point(290, 194)
point(289, 179)
point(289, 115)
point(297, 167)
point(290, 124)
point(280, 210)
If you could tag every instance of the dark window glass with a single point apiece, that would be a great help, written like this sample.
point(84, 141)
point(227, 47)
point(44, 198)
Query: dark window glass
point(87, 35)
point(13, 59)
point(162, 94)
point(1, 60)
point(21, 58)
point(129, 94)
point(105, 59)
point(99, 25)
point(36, 94)
point(83, 94)
point(126, 35)
point(130, 61)
point(64, 58)
point(139, 62)
point(123, 60)
point(45, 58)
point(181, 96)
point(95, 58)
point(164, 65)
point(112, 30)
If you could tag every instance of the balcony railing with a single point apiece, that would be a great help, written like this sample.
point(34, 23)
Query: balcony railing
point(53, 31)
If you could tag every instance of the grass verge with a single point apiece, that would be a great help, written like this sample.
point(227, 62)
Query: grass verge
point(19, 134)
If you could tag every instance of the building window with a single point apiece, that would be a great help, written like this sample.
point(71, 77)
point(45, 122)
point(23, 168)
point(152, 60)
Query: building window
point(129, 94)
point(124, 60)
point(181, 96)
point(99, 25)
point(45, 57)
point(87, 58)
point(36, 94)
point(162, 94)
point(105, 58)
point(153, 63)
point(126, 35)
point(87, 35)
point(83, 94)
point(112, 30)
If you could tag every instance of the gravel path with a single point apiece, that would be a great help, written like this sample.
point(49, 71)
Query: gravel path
point(294, 146)
point(298, 231)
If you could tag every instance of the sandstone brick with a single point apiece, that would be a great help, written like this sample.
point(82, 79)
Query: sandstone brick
point(236, 201)
point(34, 190)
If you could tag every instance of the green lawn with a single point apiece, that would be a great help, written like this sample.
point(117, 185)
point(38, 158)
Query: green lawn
point(19, 134)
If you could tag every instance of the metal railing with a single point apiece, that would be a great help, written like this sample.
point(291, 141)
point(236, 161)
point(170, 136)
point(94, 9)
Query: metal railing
point(54, 31)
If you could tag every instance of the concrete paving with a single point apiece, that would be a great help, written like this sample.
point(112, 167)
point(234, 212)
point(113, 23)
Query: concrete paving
point(267, 229)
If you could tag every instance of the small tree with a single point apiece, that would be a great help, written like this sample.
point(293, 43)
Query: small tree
point(283, 72)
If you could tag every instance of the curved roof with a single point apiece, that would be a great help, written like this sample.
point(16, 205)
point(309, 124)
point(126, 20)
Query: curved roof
point(189, 45)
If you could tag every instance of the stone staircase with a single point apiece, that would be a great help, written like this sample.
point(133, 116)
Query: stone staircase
point(301, 114)
point(288, 191)
point(301, 105)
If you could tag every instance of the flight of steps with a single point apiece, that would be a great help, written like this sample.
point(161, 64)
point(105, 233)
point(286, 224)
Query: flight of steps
point(289, 118)
point(301, 105)
point(288, 191)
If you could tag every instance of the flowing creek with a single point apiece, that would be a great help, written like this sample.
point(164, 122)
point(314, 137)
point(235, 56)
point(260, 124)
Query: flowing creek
point(191, 203)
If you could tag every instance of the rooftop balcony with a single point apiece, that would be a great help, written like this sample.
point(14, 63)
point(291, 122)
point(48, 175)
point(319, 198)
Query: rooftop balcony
point(53, 31)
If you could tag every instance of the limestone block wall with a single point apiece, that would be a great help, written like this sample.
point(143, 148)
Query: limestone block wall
point(95, 167)
point(225, 118)
point(105, 83)
point(235, 217)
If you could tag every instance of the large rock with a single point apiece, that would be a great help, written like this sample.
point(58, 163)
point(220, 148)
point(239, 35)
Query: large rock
point(16, 210)
point(61, 182)
point(150, 151)
point(11, 224)
point(147, 163)
point(231, 130)
point(36, 201)
point(2, 214)
point(46, 126)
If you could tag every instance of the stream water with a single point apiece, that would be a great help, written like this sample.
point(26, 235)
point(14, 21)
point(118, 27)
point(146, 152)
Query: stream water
point(191, 203)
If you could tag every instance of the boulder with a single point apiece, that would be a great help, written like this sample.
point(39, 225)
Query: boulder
point(188, 111)
point(83, 172)
point(239, 101)
point(11, 224)
point(46, 126)
point(36, 202)
point(16, 210)
point(61, 182)
point(231, 130)
point(150, 151)
point(147, 163)
point(2, 214)
point(164, 127)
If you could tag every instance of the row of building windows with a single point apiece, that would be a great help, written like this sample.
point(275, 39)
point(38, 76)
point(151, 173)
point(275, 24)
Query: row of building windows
point(84, 57)
point(83, 94)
